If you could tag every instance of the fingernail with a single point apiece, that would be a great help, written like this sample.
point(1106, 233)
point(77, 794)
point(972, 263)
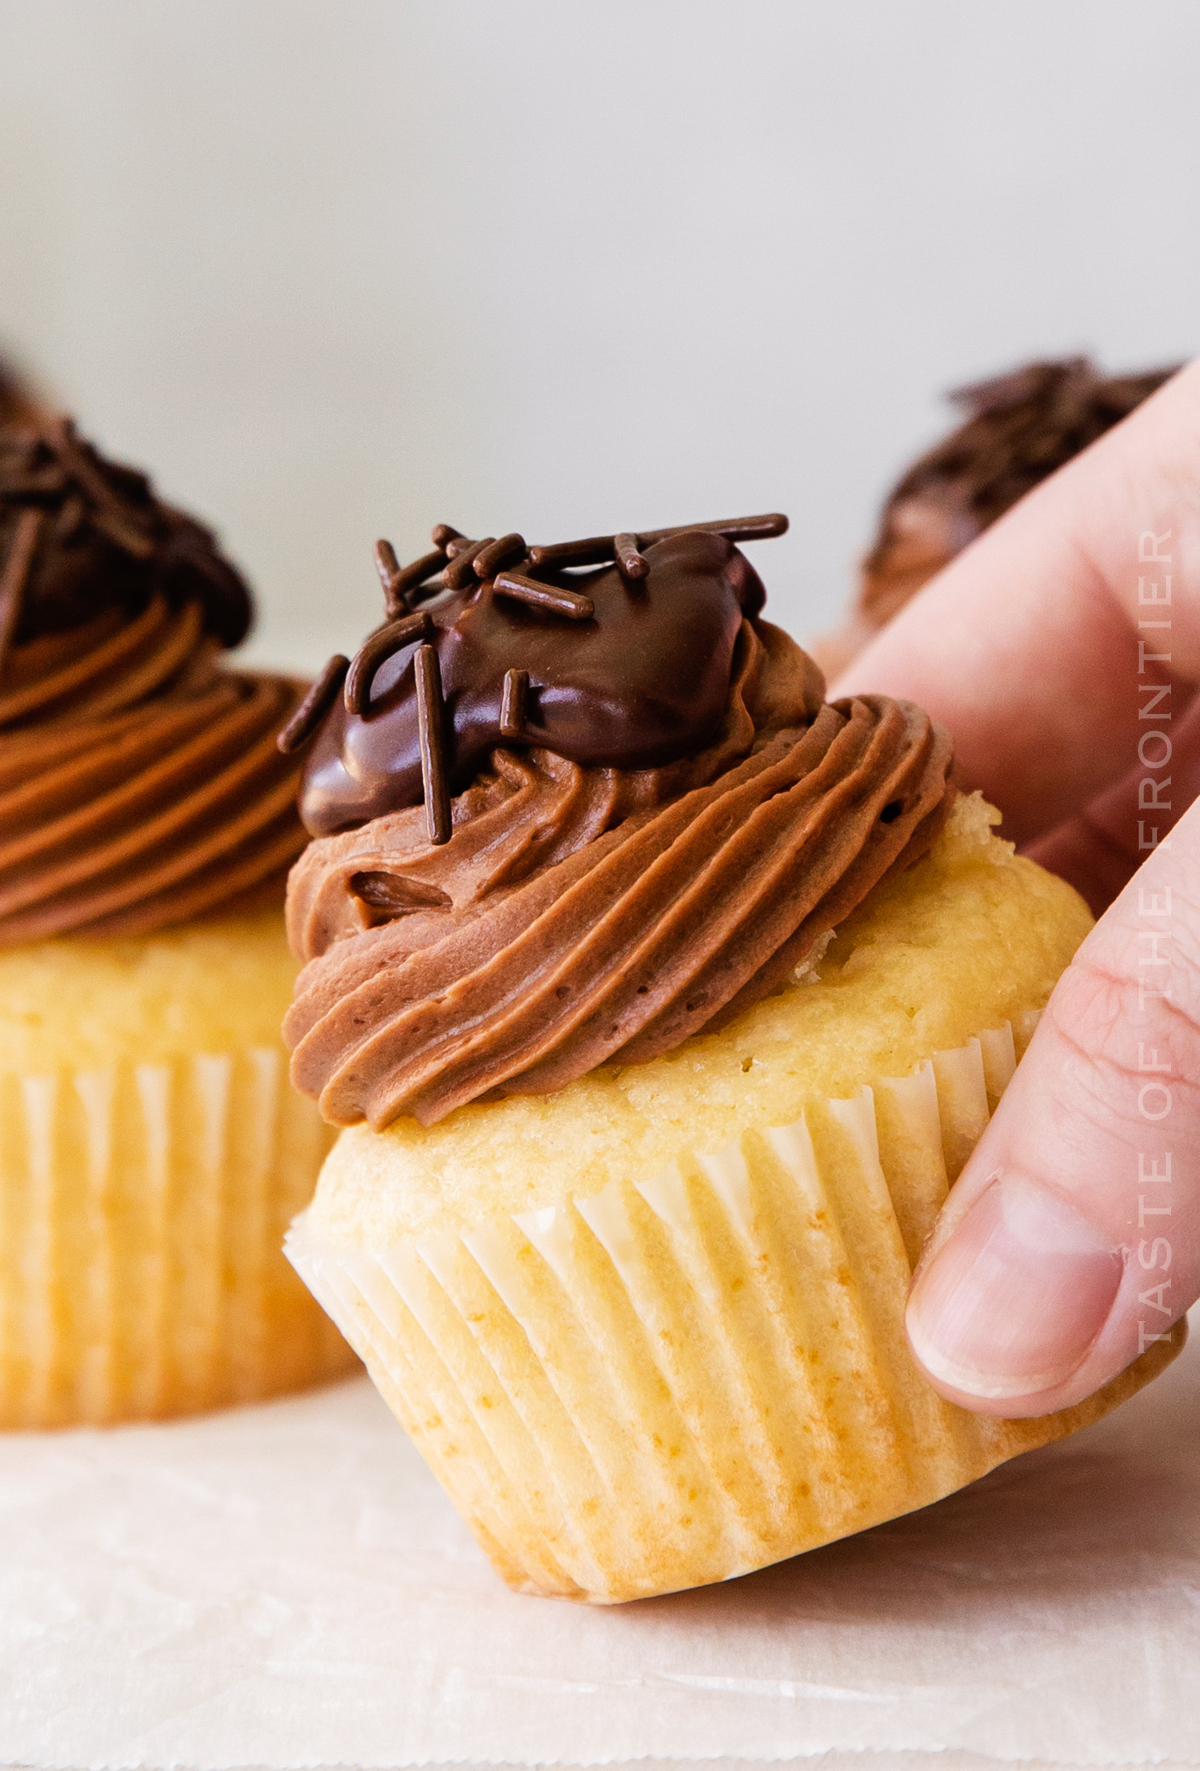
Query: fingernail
point(1015, 1296)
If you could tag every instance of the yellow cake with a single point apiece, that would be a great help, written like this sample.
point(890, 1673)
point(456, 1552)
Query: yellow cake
point(151, 1157)
point(151, 1150)
point(649, 1330)
point(654, 1077)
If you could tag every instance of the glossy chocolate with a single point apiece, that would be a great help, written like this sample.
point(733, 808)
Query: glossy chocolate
point(80, 535)
point(643, 681)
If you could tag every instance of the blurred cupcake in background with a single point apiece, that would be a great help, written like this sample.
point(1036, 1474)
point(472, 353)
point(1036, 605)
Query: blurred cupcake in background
point(1018, 429)
point(151, 1151)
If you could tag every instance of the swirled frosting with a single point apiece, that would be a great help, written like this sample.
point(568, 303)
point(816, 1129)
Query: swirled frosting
point(585, 913)
point(140, 783)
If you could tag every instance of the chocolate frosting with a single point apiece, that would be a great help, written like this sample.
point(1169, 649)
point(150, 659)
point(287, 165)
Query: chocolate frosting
point(1019, 428)
point(586, 911)
point(105, 540)
point(643, 680)
point(140, 783)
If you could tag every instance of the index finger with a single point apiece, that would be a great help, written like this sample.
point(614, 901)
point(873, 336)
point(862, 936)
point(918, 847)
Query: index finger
point(1048, 643)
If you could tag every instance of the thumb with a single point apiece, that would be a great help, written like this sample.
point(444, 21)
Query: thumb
point(1072, 1238)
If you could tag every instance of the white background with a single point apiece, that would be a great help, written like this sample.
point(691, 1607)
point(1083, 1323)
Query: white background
point(286, 1586)
point(337, 268)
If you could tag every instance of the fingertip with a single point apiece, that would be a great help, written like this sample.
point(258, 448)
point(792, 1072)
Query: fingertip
point(1010, 1302)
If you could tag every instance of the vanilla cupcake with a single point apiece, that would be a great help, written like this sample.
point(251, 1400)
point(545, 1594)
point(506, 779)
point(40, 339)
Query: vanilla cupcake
point(151, 1150)
point(662, 1002)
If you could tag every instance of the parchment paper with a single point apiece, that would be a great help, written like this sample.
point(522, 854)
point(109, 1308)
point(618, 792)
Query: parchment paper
point(285, 1586)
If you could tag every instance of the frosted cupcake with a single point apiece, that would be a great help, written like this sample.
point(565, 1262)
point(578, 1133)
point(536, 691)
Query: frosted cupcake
point(151, 1151)
point(662, 1002)
point(1017, 430)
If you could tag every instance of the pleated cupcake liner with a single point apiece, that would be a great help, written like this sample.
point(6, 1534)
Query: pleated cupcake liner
point(686, 1377)
point(142, 1214)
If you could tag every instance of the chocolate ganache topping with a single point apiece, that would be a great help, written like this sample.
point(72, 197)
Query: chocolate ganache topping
point(1018, 429)
point(140, 783)
point(582, 802)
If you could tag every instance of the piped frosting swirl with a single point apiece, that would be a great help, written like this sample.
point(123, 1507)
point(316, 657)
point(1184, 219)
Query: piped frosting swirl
point(584, 913)
point(140, 783)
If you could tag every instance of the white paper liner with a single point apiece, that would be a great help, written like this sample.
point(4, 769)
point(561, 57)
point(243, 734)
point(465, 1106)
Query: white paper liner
point(142, 1209)
point(676, 1381)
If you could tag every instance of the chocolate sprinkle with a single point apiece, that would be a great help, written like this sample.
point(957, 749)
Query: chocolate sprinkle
point(16, 575)
point(598, 550)
point(629, 560)
point(109, 514)
point(549, 597)
point(432, 739)
point(463, 555)
point(413, 576)
point(736, 529)
point(504, 552)
point(315, 705)
point(389, 569)
point(513, 702)
point(381, 645)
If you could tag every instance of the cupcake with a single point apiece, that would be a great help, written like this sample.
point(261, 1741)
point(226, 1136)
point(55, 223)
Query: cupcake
point(1019, 428)
point(661, 1001)
point(152, 1152)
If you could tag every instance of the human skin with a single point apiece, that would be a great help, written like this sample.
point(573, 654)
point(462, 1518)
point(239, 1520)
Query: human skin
point(1073, 1234)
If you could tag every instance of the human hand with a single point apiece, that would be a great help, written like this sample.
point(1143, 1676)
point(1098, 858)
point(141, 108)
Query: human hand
point(1062, 650)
